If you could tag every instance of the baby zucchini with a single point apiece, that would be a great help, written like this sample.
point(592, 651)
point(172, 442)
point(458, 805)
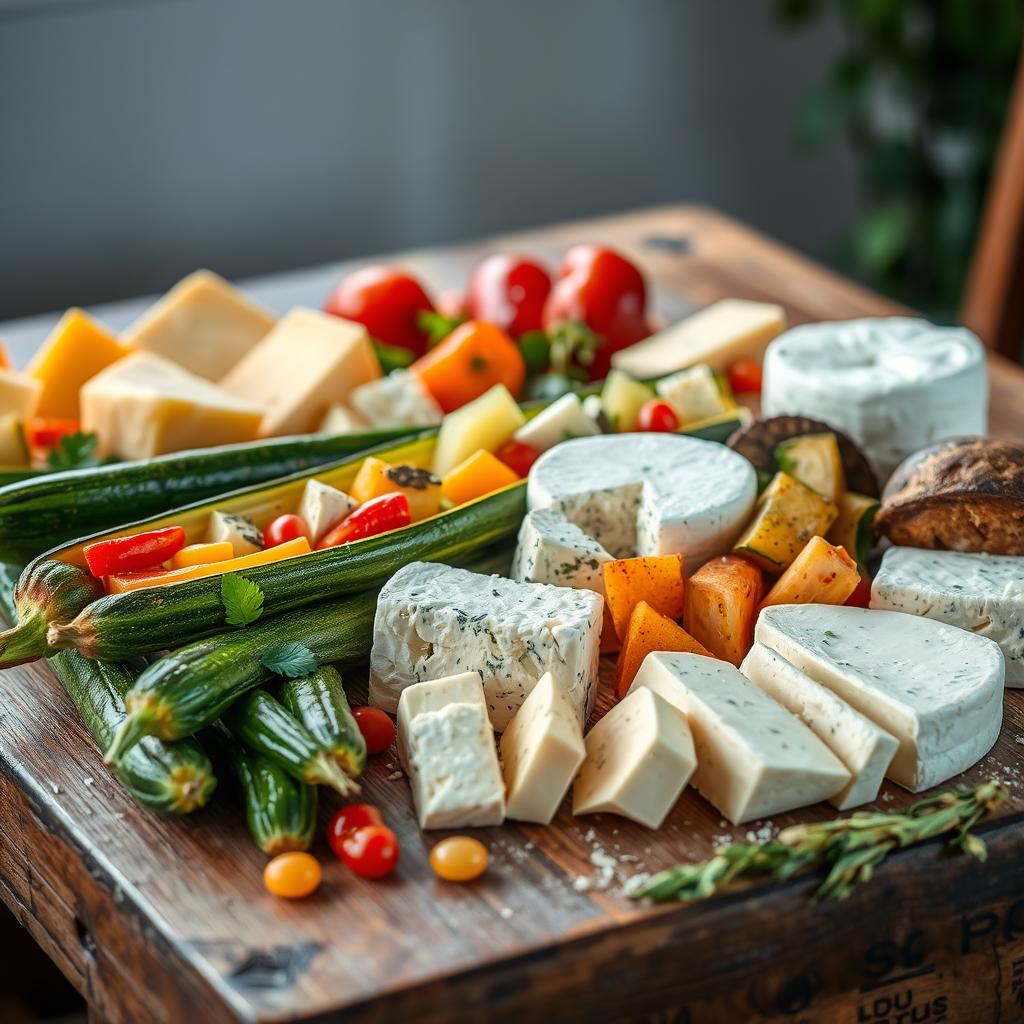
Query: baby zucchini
point(264, 725)
point(318, 701)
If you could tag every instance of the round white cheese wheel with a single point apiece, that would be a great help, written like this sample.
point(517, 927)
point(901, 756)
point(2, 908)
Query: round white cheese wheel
point(895, 384)
point(648, 494)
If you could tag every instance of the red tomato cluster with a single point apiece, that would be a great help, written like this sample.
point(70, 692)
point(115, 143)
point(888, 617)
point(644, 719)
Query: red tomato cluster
point(359, 838)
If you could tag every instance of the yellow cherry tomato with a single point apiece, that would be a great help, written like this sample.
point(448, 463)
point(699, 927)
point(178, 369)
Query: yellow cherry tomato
point(459, 859)
point(292, 875)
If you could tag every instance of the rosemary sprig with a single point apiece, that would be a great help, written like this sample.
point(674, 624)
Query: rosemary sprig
point(851, 848)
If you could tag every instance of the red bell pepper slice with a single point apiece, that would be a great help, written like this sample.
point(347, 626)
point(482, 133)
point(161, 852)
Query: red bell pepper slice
point(42, 433)
point(135, 553)
point(378, 515)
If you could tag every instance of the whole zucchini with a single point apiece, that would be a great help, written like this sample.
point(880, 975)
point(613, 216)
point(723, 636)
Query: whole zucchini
point(44, 510)
point(280, 812)
point(319, 702)
point(264, 725)
point(159, 618)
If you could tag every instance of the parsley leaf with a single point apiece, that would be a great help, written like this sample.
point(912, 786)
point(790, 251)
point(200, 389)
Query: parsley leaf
point(242, 600)
point(290, 660)
point(74, 451)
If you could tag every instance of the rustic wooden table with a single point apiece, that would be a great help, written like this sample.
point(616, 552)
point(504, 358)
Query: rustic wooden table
point(158, 920)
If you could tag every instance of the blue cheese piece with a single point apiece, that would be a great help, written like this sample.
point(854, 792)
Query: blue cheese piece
point(322, 506)
point(639, 758)
point(563, 419)
point(244, 536)
point(541, 750)
point(938, 689)
point(753, 757)
point(648, 494)
point(435, 620)
point(553, 550)
point(693, 393)
point(978, 592)
point(865, 748)
point(398, 400)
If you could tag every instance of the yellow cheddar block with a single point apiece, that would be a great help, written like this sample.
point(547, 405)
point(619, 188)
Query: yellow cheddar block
point(308, 362)
point(19, 395)
point(144, 405)
point(202, 554)
point(141, 580)
point(203, 324)
point(75, 350)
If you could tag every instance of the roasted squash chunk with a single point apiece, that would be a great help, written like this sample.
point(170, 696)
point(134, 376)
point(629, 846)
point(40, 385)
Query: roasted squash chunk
point(820, 574)
point(650, 631)
point(656, 579)
point(722, 598)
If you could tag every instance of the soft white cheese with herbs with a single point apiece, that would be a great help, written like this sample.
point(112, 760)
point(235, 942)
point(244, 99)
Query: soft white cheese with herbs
point(322, 506)
point(753, 757)
point(432, 695)
point(397, 400)
point(563, 419)
point(648, 494)
point(938, 689)
point(864, 747)
point(639, 758)
point(435, 620)
point(553, 550)
point(978, 592)
point(541, 750)
point(894, 384)
point(693, 393)
point(244, 536)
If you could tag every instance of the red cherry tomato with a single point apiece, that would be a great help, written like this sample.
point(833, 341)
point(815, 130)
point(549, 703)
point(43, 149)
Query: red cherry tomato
point(42, 433)
point(284, 528)
point(134, 553)
point(745, 377)
point(378, 515)
point(657, 416)
point(509, 291)
point(347, 819)
point(387, 301)
point(861, 596)
point(518, 456)
point(598, 287)
point(377, 728)
point(370, 851)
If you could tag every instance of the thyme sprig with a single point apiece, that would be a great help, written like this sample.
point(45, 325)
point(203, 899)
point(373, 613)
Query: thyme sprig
point(851, 848)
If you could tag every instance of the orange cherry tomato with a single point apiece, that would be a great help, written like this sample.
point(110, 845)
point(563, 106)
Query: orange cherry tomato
point(518, 456)
point(370, 851)
point(292, 875)
point(347, 819)
point(745, 377)
point(470, 361)
point(459, 859)
point(284, 528)
point(657, 416)
point(377, 728)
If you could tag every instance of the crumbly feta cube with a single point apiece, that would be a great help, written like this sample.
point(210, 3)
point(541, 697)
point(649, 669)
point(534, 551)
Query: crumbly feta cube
point(693, 393)
point(562, 419)
point(553, 550)
point(398, 400)
point(244, 536)
point(322, 506)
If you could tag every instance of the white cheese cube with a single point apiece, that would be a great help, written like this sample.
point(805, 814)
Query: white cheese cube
point(693, 393)
point(244, 536)
point(639, 758)
point(322, 506)
point(435, 620)
point(398, 400)
point(453, 768)
point(465, 688)
point(553, 550)
point(541, 751)
point(562, 419)
point(754, 758)
point(865, 748)
point(340, 419)
point(936, 688)
point(978, 592)
point(593, 409)
point(19, 394)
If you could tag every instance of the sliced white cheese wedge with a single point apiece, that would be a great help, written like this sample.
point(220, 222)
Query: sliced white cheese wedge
point(398, 400)
point(936, 688)
point(693, 393)
point(322, 506)
point(894, 384)
point(541, 750)
point(340, 419)
point(553, 550)
point(243, 536)
point(561, 420)
point(980, 593)
point(432, 695)
point(753, 757)
point(648, 494)
point(434, 620)
point(639, 758)
point(865, 748)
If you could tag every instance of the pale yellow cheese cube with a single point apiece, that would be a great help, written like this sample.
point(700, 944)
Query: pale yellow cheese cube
point(19, 394)
point(203, 324)
point(307, 363)
point(144, 405)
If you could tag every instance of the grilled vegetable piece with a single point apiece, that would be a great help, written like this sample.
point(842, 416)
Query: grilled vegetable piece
point(280, 812)
point(318, 701)
point(758, 441)
point(722, 598)
point(820, 574)
point(815, 460)
point(264, 725)
point(854, 528)
point(159, 618)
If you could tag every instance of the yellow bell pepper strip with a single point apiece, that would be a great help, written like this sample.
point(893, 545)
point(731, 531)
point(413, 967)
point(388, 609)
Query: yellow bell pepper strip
point(203, 554)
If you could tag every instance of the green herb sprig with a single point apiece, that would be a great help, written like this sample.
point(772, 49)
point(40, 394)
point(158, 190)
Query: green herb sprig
point(851, 848)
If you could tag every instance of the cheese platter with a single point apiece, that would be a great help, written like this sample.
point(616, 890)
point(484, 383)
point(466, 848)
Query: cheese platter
point(655, 653)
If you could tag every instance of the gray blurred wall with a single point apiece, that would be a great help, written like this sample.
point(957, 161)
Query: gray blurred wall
point(139, 140)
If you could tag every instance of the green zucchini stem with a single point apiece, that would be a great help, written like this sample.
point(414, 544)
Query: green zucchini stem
point(325, 771)
point(25, 641)
point(79, 635)
point(138, 724)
